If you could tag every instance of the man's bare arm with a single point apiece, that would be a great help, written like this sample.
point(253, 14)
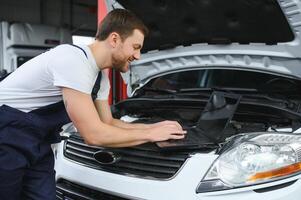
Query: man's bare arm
point(105, 115)
point(84, 115)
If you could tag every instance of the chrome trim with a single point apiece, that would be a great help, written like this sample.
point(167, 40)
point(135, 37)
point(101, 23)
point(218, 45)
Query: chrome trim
point(106, 157)
point(85, 145)
point(78, 149)
point(79, 155)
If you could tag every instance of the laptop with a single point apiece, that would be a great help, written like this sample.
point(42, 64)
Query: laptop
point(213, 120)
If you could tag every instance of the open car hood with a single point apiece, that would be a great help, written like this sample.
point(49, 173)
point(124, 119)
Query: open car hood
point(252, 34)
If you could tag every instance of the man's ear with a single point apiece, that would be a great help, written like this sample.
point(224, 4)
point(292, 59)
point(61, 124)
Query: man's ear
point(114, 39)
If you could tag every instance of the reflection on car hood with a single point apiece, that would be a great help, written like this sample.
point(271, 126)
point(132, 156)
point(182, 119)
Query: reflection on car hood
point(254, 35)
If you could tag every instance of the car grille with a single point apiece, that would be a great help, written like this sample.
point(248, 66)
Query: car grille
point(144, 160)
point(66, 190)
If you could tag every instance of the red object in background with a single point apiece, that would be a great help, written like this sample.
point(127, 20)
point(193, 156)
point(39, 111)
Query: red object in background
point(101, 10)
point(118, 88)
point(101, 13)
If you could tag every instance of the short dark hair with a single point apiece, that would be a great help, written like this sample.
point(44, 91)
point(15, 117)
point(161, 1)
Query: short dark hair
point(122, 22)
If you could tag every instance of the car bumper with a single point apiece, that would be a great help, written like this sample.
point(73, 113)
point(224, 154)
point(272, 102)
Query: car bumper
point(182, 186)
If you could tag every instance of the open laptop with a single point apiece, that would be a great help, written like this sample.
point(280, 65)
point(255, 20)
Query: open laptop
point(215, 117)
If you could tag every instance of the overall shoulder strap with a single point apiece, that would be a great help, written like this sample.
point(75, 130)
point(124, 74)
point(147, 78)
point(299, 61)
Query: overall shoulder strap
point(96, 86)
point(80, 49)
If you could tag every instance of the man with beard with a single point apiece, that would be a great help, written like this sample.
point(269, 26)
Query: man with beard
point(67, 84)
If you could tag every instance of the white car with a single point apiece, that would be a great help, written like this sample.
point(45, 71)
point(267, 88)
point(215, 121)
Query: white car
point(228, 71)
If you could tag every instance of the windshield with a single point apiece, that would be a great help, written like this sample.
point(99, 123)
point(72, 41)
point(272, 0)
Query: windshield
point(224, 78)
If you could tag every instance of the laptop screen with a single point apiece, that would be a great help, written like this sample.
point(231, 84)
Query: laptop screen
point(214, 118)
point(217, 113)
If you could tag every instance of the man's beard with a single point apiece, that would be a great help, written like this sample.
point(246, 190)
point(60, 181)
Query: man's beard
point(119, 63)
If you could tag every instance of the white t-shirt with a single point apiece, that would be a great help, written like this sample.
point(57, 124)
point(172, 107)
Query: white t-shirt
point(38, 82)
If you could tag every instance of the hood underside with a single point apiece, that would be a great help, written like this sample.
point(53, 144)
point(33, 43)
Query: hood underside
point(185, 22)
point(185, 34)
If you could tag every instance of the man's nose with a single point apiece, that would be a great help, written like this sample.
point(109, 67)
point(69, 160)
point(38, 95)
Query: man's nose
point(137, 55)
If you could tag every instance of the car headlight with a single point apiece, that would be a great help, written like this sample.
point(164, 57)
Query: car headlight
point(252, 159)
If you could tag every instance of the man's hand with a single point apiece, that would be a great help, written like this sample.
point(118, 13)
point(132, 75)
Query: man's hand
point(166, 130)
point(166, 122)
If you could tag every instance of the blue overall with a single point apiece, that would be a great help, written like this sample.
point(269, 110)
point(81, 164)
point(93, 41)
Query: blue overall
point(26, 157)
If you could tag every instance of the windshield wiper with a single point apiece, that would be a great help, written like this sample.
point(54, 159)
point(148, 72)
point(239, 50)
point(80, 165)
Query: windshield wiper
point(247, 93)
point(225, 89)
point(142, 91)
point(285, 102)
point(190, 91)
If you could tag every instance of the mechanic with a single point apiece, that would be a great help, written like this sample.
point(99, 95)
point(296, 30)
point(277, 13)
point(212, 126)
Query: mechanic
point(64, 84)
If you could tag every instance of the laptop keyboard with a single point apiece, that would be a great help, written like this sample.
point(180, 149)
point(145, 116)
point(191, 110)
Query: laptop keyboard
point(193, 136)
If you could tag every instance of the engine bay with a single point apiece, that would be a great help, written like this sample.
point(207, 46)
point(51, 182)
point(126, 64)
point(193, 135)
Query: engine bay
point(249, 116)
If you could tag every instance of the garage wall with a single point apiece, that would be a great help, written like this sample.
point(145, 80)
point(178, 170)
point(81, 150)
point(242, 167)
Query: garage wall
point(80, 16)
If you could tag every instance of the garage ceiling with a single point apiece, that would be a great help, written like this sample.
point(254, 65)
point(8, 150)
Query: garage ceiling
point(80, 16)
